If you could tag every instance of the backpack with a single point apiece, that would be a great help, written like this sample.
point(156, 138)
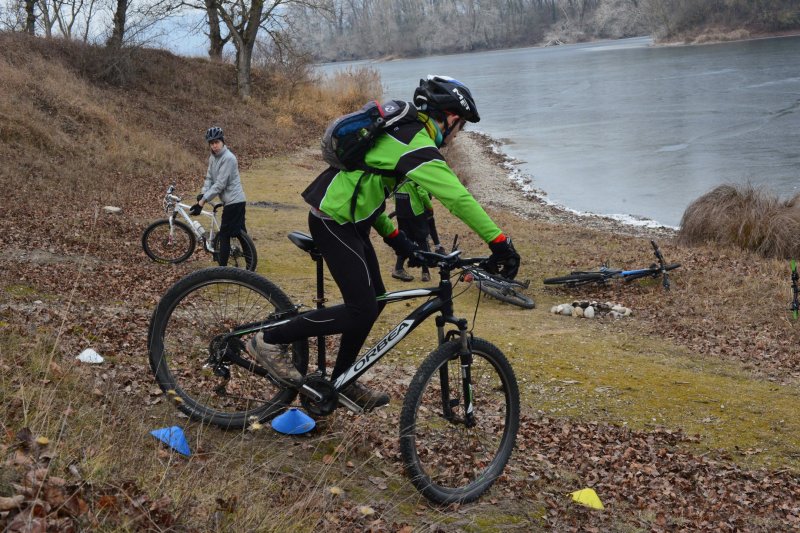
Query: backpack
point(348, 138)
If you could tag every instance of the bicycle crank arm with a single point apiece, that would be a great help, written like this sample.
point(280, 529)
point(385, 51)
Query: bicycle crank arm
point(305, 390)
point(350, 404)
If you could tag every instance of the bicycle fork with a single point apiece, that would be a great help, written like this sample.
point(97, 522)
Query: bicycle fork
point(465, 367)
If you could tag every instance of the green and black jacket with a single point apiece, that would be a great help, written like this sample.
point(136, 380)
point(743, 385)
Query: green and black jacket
point(407, 151)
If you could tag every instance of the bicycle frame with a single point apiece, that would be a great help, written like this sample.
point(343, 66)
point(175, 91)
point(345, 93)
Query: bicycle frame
point(629, 275)
point(173, 206)
point(440, 300)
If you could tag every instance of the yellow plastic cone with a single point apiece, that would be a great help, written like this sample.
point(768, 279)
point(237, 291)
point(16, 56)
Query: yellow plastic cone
point(587, 497)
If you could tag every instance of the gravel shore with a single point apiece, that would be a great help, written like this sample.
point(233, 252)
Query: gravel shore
point(495, 181)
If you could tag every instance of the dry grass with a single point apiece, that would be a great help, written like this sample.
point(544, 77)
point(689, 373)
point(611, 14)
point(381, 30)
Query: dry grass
point(94, 124)
point(746, 217)
point(98, 417)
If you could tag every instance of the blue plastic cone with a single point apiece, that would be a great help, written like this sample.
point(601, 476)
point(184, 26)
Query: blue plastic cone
point(293, 422)
point(174, 438)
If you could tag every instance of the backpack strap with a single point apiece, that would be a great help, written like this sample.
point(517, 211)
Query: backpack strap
point(354, 199)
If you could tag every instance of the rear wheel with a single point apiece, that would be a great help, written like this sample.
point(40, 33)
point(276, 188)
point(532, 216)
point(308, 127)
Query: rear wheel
point(447, 461)
point(576, 278)
point(243, 252)
point(163, 244)
point(190, 353)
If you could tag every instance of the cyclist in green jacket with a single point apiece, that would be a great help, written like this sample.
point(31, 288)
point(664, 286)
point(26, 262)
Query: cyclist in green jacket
point(412, 206)
point(346, 205)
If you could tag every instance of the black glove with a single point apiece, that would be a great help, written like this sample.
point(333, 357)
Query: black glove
point(199, 197)
point(402, 245)
point(504, 259)
point(195, 210)
point(439, 249)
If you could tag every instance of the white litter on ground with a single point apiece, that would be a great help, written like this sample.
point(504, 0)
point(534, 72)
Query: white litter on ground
point(90, 356)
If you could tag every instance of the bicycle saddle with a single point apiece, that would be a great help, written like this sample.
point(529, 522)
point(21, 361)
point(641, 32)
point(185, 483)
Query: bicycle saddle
point(304, 242)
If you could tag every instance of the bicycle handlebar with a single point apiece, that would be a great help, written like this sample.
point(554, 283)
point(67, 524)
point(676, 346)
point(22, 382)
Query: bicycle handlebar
point(662, 265)
point(657, 253)
point(449, 261)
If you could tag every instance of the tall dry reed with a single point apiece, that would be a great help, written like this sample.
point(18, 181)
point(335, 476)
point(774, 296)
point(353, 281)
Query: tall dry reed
point(748, 217)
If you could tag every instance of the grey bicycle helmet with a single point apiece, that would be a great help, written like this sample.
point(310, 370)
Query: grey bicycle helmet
point(215, 134)
point(439, 94)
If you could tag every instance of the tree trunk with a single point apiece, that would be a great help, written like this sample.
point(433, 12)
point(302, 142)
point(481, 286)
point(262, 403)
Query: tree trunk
point(216, 43)
point(30, 19)
point(118, 31)
point(243, 59)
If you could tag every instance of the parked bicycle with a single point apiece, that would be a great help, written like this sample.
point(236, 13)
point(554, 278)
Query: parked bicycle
point(460, 415)
point(605, 274)
point(174, 239)
point(499, 288)
point(795, 305)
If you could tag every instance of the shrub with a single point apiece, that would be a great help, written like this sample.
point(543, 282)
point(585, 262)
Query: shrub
point(744, 216)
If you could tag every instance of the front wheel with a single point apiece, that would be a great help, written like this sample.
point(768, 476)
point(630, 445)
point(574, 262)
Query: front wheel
point(447, 461)
point(165, 244)
point(507, 294)
point(243, 252)
point(193, 359)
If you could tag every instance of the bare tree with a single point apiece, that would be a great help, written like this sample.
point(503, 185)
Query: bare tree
point(47, 17)
point(216, 41)
point(244, 19)
point(132, 17)
point(30, 17)
point(68, 13)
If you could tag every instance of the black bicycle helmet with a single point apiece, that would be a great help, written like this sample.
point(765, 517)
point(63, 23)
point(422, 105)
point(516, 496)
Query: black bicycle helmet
point(215, 134)
point(439, 94)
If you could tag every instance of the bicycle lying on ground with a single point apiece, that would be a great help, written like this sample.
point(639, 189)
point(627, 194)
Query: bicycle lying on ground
point(604, 274)
point(460, 415)
point(500, 288)
point(172, 240)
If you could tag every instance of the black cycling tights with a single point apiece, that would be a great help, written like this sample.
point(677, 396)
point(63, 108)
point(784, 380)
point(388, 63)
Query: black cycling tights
point(353, 264)
point(232, 224)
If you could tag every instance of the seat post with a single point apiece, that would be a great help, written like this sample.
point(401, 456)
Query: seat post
point(320, 300)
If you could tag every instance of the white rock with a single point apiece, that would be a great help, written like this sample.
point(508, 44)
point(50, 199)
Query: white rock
point(628, 311)
point(577, 312)
point(618, 308)
point(90, 356)
point(555, 309)
point(112, 209)
point(615, 314)
point(566, 310)
point(588, 312)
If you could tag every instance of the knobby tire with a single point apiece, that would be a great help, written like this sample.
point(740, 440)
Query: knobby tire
point(195, 311)
point(577, 278)
point(243, 252)
point(160, 248)
point(507, 295)
point(446, 461)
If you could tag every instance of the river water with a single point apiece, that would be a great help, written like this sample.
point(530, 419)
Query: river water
point(626, 128)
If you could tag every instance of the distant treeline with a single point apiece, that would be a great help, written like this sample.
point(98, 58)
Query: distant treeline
point(352, 29)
